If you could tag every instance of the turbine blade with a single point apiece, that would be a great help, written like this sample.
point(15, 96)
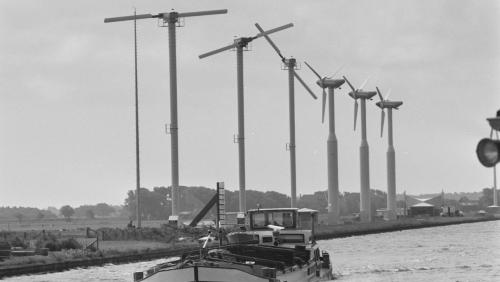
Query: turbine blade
point(203, 13)
point(218, 50)
point(128, 18)
point(355, 112)
point(379, 95)
point(304, 84)
point(364, 83)
point(337, 71)
point(276, 29)
point(348, 82)
point(315, 72)
point(270, 41)
point(323, 107)
point(382, 123)
point(388, 93)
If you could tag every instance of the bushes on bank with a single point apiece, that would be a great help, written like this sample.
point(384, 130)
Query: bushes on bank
point(54, 244)
point(148, 233)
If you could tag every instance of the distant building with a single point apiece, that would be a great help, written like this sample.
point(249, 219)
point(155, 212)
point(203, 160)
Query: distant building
point(469, 206)
point(423, 209)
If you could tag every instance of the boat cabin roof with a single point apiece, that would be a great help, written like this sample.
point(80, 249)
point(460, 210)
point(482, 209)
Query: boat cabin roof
point(302, 210)
point(287, 218)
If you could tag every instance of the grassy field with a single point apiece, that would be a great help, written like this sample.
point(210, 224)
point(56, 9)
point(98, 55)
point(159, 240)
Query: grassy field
point(132, 245)
point(74, 224)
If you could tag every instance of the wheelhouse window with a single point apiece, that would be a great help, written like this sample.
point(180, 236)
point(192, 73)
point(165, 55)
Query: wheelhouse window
point(260, 220)
point(281, 218)
point(307, 220)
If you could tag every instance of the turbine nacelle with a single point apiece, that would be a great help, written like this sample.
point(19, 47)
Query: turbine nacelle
point(289, 61)
point(361, 94)
point(243, 41)
point(326, 82)
point(330, 83)
point(386, 104)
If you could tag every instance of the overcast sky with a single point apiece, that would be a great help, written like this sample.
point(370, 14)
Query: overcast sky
point(66, 102)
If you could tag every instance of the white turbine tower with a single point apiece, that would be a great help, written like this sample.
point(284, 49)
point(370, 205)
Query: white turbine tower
point(240, 44)
point(391, 154)
point(137, 159)
point(364, 153)
point(331, 143)
point(290, 64)
point(171, 19)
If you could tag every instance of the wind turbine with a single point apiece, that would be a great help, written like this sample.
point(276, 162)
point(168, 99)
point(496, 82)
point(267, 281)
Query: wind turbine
point(171, 19)
point(290, 64)
point(364, 152)
point(331, 143)
point(240, 44)
point(391, 155)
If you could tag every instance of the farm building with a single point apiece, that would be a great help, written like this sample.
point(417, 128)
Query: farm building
point(422, 209)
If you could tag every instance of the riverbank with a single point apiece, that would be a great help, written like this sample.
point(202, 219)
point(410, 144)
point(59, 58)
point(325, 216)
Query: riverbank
point(29, 265)
point(325, 232)
point(62, 261)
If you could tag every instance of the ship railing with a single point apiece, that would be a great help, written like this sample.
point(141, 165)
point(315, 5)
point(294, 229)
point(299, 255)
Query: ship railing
point(244, 259)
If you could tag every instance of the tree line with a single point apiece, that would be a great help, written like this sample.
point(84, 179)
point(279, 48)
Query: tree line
point(85, 211)
point(156, 203)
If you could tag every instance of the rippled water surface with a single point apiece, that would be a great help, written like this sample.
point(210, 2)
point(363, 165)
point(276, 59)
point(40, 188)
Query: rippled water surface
point(465, 252)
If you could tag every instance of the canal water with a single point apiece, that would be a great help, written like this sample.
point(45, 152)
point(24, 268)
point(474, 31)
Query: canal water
point(464, 252)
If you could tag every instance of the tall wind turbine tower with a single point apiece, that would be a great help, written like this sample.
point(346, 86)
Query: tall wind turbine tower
point(240, 44)
point(290, 64)
point(171, 20)
point(137, 151)
point(364, 153)
point(331, 143)
point(391, 155)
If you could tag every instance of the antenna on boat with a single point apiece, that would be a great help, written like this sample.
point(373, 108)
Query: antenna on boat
point(171, 20)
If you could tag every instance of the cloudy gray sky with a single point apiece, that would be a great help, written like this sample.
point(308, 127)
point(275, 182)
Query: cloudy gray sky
point(66, 108)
